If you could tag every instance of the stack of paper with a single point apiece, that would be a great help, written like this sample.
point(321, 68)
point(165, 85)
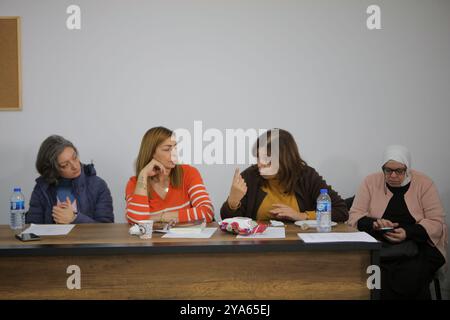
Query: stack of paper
point(336, 237)
point(203, 234)
point(49, 229)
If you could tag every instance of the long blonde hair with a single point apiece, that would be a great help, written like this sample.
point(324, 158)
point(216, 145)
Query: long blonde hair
point(150, 141)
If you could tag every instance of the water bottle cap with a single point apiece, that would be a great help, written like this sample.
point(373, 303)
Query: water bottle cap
point(323, 191)
point(17, 190)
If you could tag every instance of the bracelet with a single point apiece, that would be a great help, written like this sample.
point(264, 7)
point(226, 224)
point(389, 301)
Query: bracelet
point(234, 209)
point(141, 183)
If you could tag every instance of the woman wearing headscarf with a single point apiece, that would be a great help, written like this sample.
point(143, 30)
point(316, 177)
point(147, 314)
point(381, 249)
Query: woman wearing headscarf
point(407, 202)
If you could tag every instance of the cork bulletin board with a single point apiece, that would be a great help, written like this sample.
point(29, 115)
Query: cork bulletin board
point(10, 78)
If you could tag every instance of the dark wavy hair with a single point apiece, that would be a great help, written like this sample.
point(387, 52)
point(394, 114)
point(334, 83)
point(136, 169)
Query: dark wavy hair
point(46, 162)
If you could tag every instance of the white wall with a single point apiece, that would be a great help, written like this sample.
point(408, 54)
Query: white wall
point(311, 67)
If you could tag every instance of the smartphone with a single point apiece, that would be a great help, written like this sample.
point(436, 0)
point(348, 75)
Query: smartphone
point(387, 229)
point(27, 237)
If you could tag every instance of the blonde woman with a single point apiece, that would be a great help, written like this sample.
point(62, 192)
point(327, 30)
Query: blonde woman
point(162, 190)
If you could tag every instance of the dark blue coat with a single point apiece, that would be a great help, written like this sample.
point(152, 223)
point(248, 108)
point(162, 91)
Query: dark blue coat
point(94, 201)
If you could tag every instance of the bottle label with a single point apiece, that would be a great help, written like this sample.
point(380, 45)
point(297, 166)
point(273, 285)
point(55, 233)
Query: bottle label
point(17, 205)
point(323, 206)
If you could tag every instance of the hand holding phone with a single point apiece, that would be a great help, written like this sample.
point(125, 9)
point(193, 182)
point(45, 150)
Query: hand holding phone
point(386, 229)
point(384, 225)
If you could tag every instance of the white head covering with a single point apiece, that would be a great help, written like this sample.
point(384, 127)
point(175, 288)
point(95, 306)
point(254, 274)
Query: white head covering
point(400, 154)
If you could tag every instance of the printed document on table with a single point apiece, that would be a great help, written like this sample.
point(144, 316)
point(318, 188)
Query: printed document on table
point(204, 234)
point(50, 229)
point(336, 237)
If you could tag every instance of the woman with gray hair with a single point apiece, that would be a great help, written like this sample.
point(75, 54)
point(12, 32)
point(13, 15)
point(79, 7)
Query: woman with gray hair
point(401, 208)
point(67, 191)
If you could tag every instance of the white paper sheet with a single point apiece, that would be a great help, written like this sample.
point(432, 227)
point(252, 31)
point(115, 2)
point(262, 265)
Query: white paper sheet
point(49, 229)
point(205, 234)
point(336, 237)
point(275, 223)
point(270, 233)
point(186, 230)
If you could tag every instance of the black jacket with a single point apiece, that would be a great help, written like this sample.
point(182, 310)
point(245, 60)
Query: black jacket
point(306, 191)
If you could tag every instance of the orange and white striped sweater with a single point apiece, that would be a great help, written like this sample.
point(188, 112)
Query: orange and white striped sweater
point(191, 200)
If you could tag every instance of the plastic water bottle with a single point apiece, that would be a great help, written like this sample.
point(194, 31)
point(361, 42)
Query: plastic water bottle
point(17, 210)
point(323, 212)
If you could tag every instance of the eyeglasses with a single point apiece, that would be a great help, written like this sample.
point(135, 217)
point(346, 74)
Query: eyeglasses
point(399, 171)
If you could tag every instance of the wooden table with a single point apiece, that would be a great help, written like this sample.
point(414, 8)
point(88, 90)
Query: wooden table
point(115, 265)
